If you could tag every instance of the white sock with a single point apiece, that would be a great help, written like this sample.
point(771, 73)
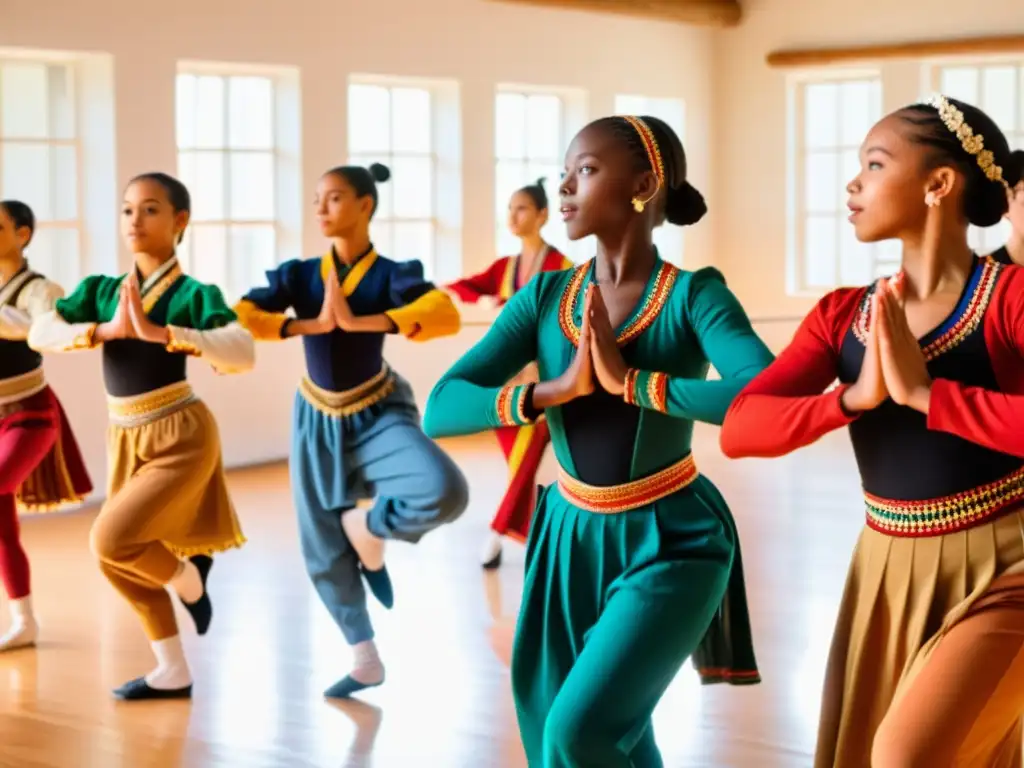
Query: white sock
point(187, 582)
point(491, 549)
point(369, 548)
point(171, 668)
point(23, 629)
point(367, 667)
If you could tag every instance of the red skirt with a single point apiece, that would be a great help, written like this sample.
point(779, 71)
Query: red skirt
point(61, 477)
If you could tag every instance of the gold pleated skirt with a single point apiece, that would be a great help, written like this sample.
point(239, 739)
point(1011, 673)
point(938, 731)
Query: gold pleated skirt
point(902, 596)
point(164, 454)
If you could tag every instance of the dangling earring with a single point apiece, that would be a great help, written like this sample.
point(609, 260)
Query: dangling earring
point(931, 200)
point(638, 205)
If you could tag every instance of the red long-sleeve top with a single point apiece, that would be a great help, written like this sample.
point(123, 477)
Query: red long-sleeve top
point(501, 279)
point(976, 360)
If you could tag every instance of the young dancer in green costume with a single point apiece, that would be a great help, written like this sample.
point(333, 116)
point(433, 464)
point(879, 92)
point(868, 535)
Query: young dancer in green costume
point(633, 561)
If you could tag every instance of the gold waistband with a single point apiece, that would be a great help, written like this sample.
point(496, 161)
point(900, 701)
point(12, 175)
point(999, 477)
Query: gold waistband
point(136, 410)
point(349, 401)
point(24, 385)
point(946, 514)
point(632, 495)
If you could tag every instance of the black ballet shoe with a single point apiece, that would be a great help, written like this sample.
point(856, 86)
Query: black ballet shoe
point(379, 583)
point(348, 685)
point(201, 610)
point(493, 563)
point(139, 690)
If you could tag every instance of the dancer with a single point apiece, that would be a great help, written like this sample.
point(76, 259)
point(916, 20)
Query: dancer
point(362, 470)
point(167, 507)
point(926, 666)
point(633, 562)
point(40, 464)
point(1013, 251)
point(523, 446)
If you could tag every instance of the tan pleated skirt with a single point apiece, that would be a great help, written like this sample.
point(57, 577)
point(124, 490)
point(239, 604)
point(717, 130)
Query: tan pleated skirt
point(902, 596)
point(165, 464)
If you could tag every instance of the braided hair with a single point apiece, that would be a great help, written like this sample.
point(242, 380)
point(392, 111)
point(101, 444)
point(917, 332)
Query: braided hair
point(984, 199)
point(684, 205)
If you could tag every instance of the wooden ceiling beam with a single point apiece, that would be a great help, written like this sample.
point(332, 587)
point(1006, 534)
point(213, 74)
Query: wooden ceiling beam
point(921, 49)
point(704, 13)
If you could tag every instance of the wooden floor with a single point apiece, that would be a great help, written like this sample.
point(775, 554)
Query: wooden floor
point(447, 703)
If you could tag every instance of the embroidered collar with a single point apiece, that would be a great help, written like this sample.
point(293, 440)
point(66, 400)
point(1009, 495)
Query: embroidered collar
point(656, 294)
point(153, 288)
point(355, 273)
point(10, 289)
point(962, 322)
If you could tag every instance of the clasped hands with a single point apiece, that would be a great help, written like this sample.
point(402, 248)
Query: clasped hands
point(130, 320)
point(335, 312)
point(597, 358)
point(894, 365)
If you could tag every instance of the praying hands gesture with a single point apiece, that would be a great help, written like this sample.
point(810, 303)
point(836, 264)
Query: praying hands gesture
point(903, 363)
point(609, 367)
point(894, 365)
point(130, 320)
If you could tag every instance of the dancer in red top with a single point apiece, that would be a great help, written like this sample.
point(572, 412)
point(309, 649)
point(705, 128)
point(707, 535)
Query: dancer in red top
point(927, 659)
point(523, 446)
point(40, 466)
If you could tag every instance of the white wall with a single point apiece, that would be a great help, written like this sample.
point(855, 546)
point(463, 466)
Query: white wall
point(476, 42)
point(749, 115)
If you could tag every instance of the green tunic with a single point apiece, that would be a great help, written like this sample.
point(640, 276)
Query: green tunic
point(613, 604)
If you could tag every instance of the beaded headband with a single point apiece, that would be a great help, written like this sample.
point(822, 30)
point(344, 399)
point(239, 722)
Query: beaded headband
point(973, 143)
point(651, 145)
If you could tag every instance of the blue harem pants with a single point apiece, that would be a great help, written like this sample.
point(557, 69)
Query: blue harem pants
point(377, 453)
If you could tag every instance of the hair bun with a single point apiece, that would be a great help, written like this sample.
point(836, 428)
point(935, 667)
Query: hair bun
point(1013, 173)
point(685, 205)
point(541, 182)
point(379, 172)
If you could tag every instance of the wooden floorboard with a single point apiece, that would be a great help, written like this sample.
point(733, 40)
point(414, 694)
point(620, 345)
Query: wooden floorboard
point(272, 649)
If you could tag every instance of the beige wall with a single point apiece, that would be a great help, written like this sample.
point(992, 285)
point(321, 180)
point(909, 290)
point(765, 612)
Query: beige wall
point(749, 115)
point(475, 42)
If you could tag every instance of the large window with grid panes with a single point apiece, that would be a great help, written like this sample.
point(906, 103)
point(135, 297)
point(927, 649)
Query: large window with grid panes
point(40, 160)
point(393, 124)
point(996, 87)
point(532, 130)
point(228, 158)
point(829, 116)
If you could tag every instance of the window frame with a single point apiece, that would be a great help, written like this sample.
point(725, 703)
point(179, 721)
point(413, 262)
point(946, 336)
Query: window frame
point(435, 92)
point(572, 117)
point(988, 239)
point(70, 63)
point(236, 280)
point(797, 153)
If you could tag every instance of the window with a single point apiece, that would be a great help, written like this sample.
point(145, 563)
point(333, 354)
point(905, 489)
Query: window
point(528, 146)
point(998, 89)
point(669, 239)
point(394, 125)
point(40, 158)
point(532, 132)
point(227, 157)
point(828, 121)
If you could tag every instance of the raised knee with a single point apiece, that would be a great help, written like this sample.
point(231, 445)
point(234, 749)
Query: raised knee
point(103, 541)
point(567, 740)
point(451, 495)
point(897, 746)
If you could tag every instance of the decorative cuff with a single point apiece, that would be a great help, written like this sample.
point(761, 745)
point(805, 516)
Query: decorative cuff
point(646, 389)
point(84, 339)
point(431, 316)
point(265, 326)
point(511, 405)
point(179, 342)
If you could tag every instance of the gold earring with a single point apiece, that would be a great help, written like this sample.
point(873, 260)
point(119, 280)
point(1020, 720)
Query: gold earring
point(638, 205)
